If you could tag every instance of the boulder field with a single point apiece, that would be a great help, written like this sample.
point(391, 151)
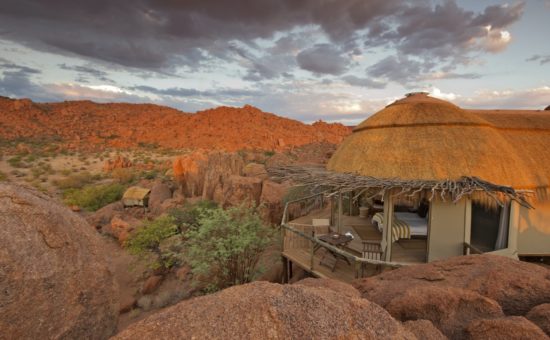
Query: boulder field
point(55, 283)
point(54, 279)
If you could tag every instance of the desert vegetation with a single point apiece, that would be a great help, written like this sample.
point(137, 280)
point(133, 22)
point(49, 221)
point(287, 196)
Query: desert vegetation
point(222, 246)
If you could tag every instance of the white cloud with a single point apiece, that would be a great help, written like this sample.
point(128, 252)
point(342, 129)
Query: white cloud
point(534, 98)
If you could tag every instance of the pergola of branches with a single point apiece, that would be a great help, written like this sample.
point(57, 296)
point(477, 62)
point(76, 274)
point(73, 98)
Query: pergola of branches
point(333, 183)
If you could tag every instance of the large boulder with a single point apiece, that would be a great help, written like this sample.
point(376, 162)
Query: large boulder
point(272, 197)
point(104, 216)
point(160, 192)
point(540, 315)
point(424, 329)
point(449, 309)
point(54, 279)
point(510, 328)
point(262, 310)
point(241, 189)
point(517, 286)
point(255, 170)
point(202, 174)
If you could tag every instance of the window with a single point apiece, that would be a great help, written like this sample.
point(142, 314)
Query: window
point(490, 226)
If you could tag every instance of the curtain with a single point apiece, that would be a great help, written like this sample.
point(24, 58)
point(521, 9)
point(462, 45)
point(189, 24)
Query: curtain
point(503, 227)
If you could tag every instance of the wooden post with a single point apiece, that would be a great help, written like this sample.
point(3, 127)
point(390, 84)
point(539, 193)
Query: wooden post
point(312, 251)
point(285, 269)
point(388, 221)
point(340, 212)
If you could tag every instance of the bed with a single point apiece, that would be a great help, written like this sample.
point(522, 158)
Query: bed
point(405, 225)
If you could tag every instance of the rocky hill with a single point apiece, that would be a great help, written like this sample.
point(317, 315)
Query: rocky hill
point(84, 124)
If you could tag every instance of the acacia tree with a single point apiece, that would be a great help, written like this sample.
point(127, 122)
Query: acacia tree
point(226, 247)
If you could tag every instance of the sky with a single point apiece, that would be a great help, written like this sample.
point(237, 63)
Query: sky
point(334, 60)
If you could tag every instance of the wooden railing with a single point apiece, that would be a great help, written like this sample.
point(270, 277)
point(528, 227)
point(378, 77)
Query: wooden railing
point(294, 237)
point(470, 249)
point(303, 206)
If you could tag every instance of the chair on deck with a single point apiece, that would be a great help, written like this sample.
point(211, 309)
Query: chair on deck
point(372, 250)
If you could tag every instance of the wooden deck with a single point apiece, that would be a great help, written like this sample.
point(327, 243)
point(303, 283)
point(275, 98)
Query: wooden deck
point(298, 250)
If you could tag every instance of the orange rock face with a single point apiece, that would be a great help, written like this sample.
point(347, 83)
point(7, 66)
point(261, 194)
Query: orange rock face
point(118, 163)
point(85, 124)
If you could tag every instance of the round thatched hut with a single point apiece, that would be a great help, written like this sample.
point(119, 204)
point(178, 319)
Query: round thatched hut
point(452, 180)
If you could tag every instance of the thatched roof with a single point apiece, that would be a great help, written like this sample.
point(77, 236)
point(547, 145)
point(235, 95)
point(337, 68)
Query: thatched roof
point(423, 138)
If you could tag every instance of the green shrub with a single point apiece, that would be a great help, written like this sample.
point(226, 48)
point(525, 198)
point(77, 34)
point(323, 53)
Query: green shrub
point(124, 175)
point(226, 247)
point(16, 162)
point(3, 176)
point(147, 239)
point(269, 153)
point(75, 180)
point(188, 217)
point(93, 197)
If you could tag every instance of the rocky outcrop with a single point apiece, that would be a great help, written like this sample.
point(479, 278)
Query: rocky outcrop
point(84, 124)
point(272, 197)
point(255, 170)
point(424, 329)
point(510, 328)
point(262, 310)
point(54, 279)
point(540, 316)
point(239, 189)
point(118, 162)
point(160, 192)
point(449, 309)
point(516, 286)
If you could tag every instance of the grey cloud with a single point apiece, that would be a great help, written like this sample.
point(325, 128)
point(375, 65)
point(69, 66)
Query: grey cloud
point(16, 68)
point(85, 71)
point(185, 92)
point(542, 59)
point(323, 59)
point(364, 82)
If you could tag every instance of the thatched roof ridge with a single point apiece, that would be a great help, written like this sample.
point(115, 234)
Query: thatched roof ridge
point(423, 138)
point(321, 179)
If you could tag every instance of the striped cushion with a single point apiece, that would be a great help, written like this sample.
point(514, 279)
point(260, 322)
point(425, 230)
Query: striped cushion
point(400, 229)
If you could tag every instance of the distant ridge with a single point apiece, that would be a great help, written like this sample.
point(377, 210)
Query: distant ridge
point(86, 124)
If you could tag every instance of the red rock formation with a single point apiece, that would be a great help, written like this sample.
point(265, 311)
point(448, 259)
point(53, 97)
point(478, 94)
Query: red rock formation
point(117, 163)
point(262, 310)
point(540, 316)
point(517, 286)
point(510, 328)
point(449, 309)
point(84, 124)
point(55, 282)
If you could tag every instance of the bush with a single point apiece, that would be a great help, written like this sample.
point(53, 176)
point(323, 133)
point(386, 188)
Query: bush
point(93, 197)
point(148, 238)
point(75, 181)
point(3, 176)
point(123, 175)
point(226, 248)
point(188, 217)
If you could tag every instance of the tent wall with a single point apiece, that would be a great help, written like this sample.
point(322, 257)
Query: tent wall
point(446, 229)
point(534, 230)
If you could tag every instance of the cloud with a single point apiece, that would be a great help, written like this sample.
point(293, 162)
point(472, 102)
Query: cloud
point(533, 98)
point(86, 71)
point(542, 59)
point(323, 59)
point(363, 82)
point(164, 35)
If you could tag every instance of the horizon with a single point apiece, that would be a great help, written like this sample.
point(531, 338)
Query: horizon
point(339, 62)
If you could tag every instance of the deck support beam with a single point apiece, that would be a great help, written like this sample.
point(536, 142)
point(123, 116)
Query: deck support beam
point(388, 222)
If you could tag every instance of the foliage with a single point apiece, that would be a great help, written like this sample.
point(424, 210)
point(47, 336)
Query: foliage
point(270, 153)
point(226, 248)
point(188, 217)
point(148, 238)
point(75, 180)
point(3, 176)
point(93, 197)
point(123, 175)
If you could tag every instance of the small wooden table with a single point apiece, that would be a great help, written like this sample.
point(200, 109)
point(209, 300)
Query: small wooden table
point(337, 240)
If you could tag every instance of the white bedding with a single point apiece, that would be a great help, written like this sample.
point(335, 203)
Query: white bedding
point(417, 224)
